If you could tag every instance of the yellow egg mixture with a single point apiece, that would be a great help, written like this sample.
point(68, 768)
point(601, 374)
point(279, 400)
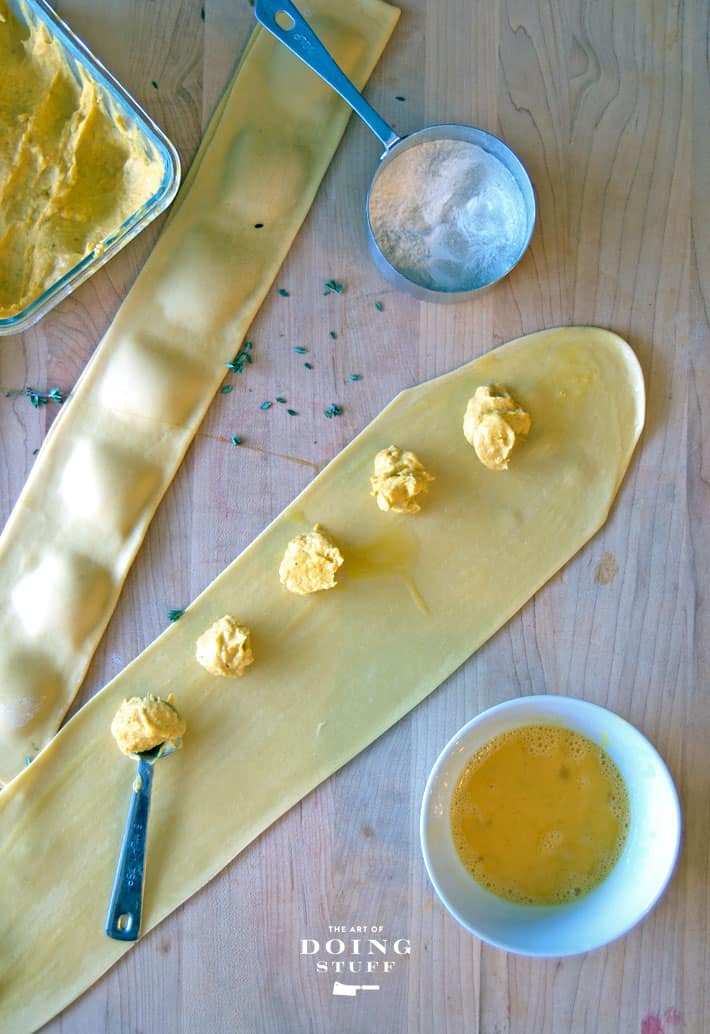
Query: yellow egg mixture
point(540, 815)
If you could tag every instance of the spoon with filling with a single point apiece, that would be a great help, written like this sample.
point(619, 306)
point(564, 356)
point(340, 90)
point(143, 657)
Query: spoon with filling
point(145, 728)
point(450, 209)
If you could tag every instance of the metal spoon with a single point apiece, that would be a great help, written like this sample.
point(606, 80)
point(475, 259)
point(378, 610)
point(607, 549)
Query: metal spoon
point(284, 21)
point(123, 919)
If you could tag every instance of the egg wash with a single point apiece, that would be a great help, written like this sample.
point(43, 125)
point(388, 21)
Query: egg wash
point(540, 815)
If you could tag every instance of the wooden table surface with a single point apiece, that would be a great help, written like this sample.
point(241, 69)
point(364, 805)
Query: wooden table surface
point(607, 104)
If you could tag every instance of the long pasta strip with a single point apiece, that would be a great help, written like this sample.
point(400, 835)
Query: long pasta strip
point(416, 596)
point(116, 445)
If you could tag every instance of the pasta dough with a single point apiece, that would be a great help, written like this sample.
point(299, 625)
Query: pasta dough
point(118, 441)
point(328, 682)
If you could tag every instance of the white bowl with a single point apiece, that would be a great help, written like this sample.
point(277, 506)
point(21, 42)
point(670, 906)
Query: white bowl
point(627, 894)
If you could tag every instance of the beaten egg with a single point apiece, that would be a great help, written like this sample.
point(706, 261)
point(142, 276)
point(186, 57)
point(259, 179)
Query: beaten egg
point(540, 815)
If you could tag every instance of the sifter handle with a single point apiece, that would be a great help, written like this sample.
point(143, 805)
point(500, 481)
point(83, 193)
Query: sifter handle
point(284, 21)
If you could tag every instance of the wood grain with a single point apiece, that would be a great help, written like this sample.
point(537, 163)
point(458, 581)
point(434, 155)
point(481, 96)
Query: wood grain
point(607, 105)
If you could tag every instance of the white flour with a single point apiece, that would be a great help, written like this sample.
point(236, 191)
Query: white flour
point(448, 215)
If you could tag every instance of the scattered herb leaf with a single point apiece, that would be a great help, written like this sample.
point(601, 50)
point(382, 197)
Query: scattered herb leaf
point(242, 357)
point(258, 226)
point(333, 335)
point(333, 287)
point(225, 389)
point(175, 615)
point(28, 761)
point(266, 405)
point(300, 350)
point(35, 451)
point(154, 84)
point(400, 98)
point(202, 13)
point(308, 366)
point(292, 412)
point(333, 410)
point(41, 398)
point(279, 399)
point(355, 376)
point(379, 306)
point(235, 440)
point(283, 292)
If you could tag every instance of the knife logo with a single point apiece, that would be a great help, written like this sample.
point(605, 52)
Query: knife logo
point(350, 990)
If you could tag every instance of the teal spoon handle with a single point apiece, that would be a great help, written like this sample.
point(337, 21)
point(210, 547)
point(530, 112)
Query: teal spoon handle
point(123, 919)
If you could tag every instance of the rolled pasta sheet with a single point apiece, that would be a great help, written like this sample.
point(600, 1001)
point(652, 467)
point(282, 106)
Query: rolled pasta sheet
point(416, 595)
point(117, 443)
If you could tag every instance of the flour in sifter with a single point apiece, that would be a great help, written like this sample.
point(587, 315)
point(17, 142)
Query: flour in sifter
point(448, 215)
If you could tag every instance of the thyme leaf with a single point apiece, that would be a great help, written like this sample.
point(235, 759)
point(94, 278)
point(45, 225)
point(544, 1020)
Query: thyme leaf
point(243, 356)
point(41, 398)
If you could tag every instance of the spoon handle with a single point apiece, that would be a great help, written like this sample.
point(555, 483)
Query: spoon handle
point(123, 919)
point(284, 21)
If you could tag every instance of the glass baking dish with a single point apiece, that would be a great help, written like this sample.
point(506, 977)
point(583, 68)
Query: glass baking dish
point(119, 105)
